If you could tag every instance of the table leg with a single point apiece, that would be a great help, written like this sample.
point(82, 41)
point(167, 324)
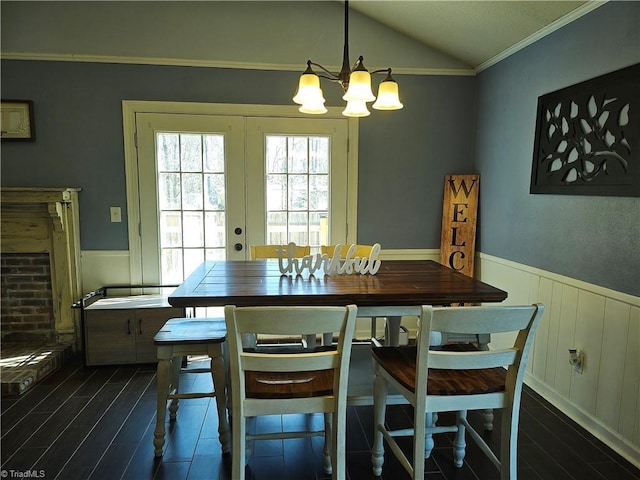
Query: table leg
point(487, 415)
point(393, 331)
point(219, 376)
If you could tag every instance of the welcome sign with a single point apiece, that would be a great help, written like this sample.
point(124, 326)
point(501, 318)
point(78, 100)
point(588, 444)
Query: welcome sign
point(459, 218)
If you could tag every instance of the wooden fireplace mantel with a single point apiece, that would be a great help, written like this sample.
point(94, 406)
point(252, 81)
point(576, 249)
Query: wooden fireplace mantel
point(46, 220)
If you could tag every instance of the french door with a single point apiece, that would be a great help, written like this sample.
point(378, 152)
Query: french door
point(297, 181)
point(211, 185)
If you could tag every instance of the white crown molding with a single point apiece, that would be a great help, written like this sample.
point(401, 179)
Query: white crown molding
point(179, 62)
point(552, 27)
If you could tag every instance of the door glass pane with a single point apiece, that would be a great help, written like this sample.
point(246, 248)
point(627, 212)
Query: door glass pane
point(276, 192)
point(167, 154)
point(276, 228)
point(170, 193)
point(191, 201)
point(170, 229)
point(276, 154)
point(297, 189)
point(172, 267)
point(191, 152)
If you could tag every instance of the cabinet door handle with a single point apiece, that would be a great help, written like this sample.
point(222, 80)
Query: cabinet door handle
point(140, 326)
point(128, 326)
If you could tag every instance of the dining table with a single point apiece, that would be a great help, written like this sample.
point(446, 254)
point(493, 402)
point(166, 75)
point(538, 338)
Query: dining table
point(399, 288)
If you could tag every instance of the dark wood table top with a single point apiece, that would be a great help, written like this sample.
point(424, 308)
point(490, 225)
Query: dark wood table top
point(397, 283)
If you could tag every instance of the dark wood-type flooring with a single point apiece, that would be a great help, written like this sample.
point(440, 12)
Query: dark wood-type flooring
point(97, 423)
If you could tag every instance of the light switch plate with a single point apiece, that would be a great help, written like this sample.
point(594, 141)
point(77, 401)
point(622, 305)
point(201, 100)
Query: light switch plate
point(116, 214)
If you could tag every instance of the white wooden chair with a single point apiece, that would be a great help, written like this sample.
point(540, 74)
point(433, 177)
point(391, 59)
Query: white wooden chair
point(454, 378)
point(265, 382)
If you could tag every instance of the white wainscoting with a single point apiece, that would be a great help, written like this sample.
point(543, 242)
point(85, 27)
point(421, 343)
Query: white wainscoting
point(104, 267)
point(605, 325)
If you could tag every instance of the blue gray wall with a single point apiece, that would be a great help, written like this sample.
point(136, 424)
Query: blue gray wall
point(403, 157)
point(595, 239)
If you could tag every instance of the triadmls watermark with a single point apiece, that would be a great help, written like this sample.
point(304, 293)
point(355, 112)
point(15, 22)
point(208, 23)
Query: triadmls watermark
point(23, 473)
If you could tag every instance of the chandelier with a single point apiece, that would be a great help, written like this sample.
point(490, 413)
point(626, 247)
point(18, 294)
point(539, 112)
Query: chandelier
point(355, 82)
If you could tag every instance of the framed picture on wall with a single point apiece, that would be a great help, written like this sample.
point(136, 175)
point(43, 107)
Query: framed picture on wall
point(587, 138)
point(16, 122)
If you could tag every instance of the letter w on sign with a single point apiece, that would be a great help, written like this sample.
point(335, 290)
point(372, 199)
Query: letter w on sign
point(459, 214)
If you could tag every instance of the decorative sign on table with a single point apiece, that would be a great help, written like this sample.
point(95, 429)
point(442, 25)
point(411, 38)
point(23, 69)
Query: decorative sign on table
point(588, 137)
point(459, 218)
point(349, 265)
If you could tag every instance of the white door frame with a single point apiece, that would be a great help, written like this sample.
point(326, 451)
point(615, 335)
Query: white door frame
point(132, 107)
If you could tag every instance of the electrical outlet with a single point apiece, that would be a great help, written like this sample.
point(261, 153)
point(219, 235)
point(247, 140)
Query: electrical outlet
point(576, 358)
point(116, 214)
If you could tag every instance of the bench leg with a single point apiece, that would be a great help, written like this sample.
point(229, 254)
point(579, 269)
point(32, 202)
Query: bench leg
point(164, 367)
point(174, 386)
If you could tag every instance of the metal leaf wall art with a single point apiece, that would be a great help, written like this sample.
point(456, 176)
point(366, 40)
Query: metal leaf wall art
point(587, 137)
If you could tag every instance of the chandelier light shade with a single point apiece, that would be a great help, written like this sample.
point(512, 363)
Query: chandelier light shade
point(359, 85)
point(309, 94)
point(388, 98)
point(356, 108)
point(356, 83)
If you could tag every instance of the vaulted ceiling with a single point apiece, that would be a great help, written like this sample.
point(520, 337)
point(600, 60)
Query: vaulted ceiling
point(477, 31)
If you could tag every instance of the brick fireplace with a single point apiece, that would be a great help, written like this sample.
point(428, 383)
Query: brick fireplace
point(40, 264)
point(26, 297)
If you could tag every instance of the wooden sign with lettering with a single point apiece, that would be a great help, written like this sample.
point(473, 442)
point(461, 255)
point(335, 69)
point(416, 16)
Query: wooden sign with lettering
point(459, 215)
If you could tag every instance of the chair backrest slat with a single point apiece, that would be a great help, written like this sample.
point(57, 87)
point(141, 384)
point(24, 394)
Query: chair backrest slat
point(472, 360)
point(267, 362)
point(271, 251)
point(360, 250)
point(476, 320)
point(298, 320)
